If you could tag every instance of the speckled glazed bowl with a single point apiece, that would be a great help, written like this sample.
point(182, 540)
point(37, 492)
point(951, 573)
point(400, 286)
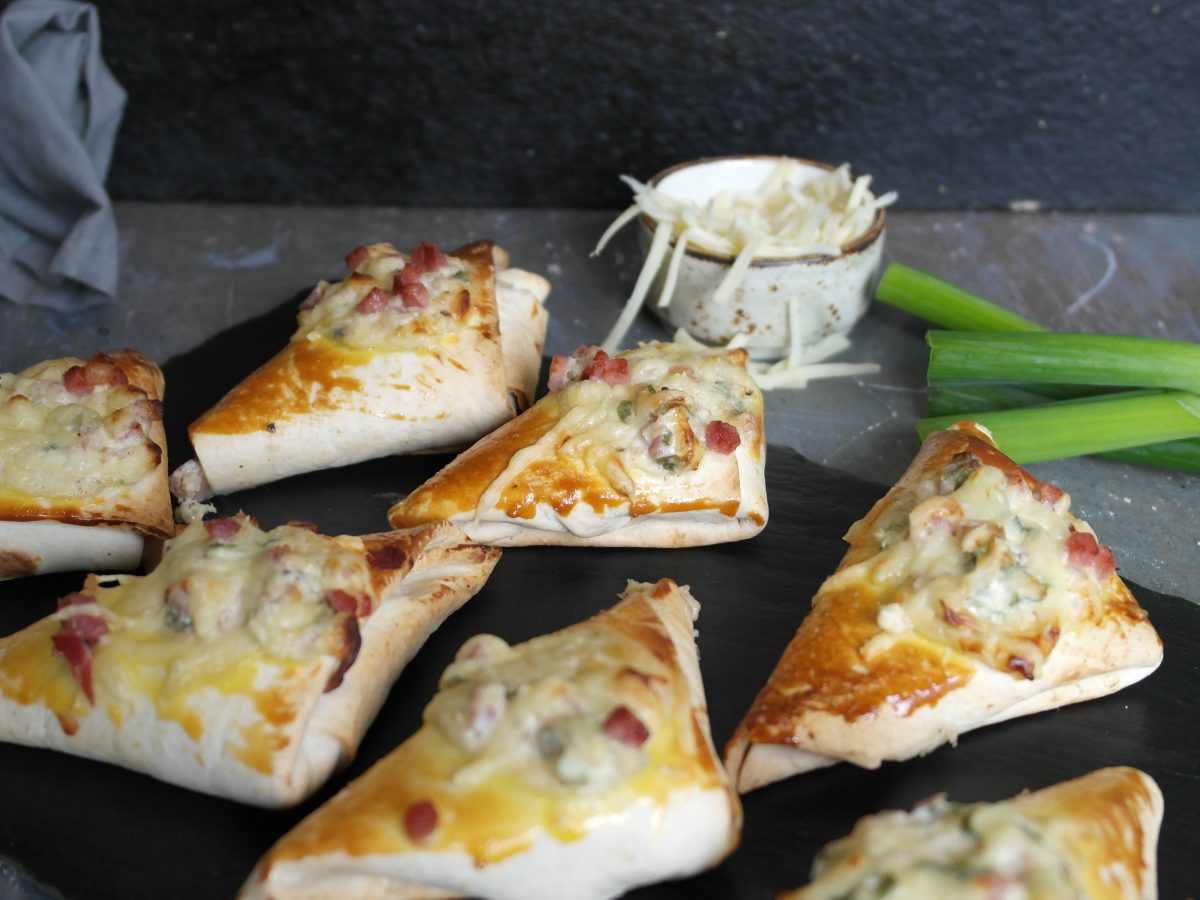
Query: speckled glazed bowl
point(833, 292)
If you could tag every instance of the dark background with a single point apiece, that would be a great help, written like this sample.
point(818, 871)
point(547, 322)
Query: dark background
point(956, 104)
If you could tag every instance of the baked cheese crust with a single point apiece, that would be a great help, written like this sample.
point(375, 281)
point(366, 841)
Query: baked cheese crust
point(1093, 837)
point(969, 595)
point(661, 446)
point(247, 664)
point(576, 764)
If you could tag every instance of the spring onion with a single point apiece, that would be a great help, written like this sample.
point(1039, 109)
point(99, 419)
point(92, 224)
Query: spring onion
point(944, 304)
point(959, 401)
point(1051, 357)
point(1088, 425)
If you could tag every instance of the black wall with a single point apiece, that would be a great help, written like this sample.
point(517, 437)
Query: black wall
point(1087, 104)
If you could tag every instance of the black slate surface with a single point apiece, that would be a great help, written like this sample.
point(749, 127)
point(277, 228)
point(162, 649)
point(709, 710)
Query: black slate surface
point(95, 831)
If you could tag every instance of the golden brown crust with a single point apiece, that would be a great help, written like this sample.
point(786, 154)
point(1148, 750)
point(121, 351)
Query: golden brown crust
point(1107, 824)
point(828, 699)
point(144, 507)
point(356, 844)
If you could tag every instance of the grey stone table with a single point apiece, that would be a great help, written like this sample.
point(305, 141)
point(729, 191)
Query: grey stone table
point(190, 271)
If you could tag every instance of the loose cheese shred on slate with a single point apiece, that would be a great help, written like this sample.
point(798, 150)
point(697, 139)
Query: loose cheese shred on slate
point(796, 370)
point(785, 218)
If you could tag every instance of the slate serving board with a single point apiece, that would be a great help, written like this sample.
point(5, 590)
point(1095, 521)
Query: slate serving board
point(96, 831)
point(92, 832)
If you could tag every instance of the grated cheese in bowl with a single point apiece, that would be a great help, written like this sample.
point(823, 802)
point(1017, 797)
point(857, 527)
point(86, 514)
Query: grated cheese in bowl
point(746, 227)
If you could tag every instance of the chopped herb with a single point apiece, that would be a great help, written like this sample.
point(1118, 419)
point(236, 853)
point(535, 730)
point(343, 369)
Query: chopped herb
point(177, 619)
point(670, 463)
point(624, 410)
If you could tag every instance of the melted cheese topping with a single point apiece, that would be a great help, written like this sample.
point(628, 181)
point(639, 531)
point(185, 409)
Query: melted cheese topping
point(942, 850)
point(245, 615)
point(55, 444)
point(524, 739)
point(975, 561)
point(639, 445)
point(394, 327)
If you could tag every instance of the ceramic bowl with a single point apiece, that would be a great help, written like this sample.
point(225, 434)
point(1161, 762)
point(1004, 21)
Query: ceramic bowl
point(832, 292)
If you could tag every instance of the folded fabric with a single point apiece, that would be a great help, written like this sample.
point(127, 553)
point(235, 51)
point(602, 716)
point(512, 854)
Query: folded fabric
point(60, 108)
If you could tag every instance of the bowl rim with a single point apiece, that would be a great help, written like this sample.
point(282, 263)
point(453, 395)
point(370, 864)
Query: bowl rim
point(858, 245)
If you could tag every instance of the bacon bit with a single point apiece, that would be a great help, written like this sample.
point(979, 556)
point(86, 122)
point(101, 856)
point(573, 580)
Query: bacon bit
point(222, 529)
point(376, 300)
point(1047, 493)
point(351, 644)
point(663, 587)
point(604, 368)
point(1083, 551)
point(420, 821)
point(76, 381)
point(75, 598)
point(410, 274)
point(79, 657)
point(560, 367)
point(721, 437)
point(87, 626)
point(357, 257)
point(415, 296)
point(625, 727)
point(307, 526)
point(103, 369)
point(429, 257)
point(1022, 665)
point(341, 601)
point(389, 557)
point(75, 640)
point(311, 300)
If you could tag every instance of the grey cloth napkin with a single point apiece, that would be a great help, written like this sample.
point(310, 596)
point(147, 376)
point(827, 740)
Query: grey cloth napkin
point(60, 108)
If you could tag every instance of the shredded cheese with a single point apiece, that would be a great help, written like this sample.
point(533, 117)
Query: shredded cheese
point(786, 217)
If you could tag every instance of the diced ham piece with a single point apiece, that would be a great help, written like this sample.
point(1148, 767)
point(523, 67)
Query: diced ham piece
point(388, 557)
point(75, 640)
point(357, 257)
point(87, 626)
point(1083, 552)
point(624, 726)
point(721, 437)
point(79, 657)
point(410, 274)
point(101, 369)
point(1048, 493)
point(76, 381)
point(307, 526)
point(222, 529)
point(605, 368)
point(560, 367)
point(342, 601)
point(1022, 665)
point(420, 821)
point(376, 300)
point(428, 257)
point(311, 300)
point(414, 296)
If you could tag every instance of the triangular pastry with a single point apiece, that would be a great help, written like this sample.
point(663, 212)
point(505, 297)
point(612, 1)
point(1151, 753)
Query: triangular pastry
point(661, 446)
point(577, 764)
point(969, 595)
point(411, 352)
point(1095, 836)
point(83, 464)
point(247, 664)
